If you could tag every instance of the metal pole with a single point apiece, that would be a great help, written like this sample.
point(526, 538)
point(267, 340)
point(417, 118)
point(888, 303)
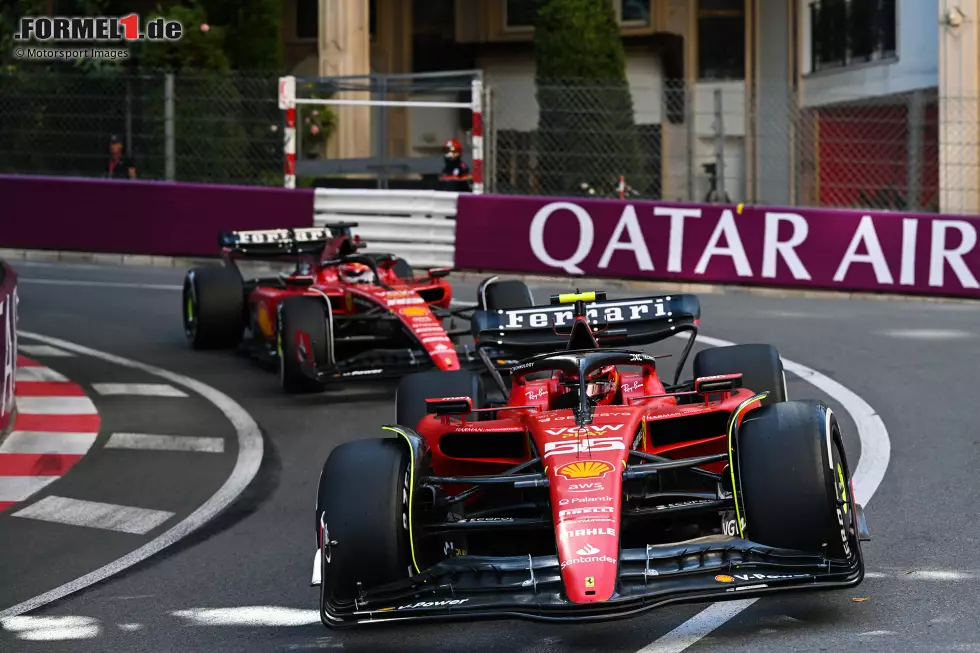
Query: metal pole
point(690, 120)
point(170, 151)
point(720, 142)
point(383, 133)
point(129, 118)
point(916, 122)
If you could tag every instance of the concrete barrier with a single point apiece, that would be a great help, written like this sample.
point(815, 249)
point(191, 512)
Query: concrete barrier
point(840, 250)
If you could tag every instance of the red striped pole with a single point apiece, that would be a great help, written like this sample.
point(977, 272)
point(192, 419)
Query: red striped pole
point(287, 101)
point(477, 136)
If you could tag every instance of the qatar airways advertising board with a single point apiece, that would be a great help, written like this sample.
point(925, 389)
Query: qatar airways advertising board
point(846, 250)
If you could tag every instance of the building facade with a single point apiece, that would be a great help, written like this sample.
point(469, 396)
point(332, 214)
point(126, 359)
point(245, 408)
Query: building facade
point(821, 102)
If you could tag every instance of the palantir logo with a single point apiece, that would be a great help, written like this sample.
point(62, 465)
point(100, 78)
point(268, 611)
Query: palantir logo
point(97, 28)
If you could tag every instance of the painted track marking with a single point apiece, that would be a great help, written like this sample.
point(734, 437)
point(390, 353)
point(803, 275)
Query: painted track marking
point(43, 350)
point(165, 442)
point(48, 442)
point(37, 373)
point(56, 406)
point(137, 389)
point(250, 449)
point(99, 284)
point(875, 454)
point(92, 514)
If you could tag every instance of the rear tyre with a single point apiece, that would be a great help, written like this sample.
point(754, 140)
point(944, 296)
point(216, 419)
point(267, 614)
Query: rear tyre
point(794, 480)
point(299, 315)
point(760, 366)
point(362, 504)
point(504, 295)
point(414, 389)
point(214, 307)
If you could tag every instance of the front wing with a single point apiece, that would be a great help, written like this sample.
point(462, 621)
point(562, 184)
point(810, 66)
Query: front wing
point(707, 569)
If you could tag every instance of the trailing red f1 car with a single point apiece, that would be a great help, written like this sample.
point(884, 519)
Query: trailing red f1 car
point(595, 489)
point(339, 315)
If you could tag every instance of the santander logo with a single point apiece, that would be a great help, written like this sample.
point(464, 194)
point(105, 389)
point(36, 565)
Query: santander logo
point(587, 550)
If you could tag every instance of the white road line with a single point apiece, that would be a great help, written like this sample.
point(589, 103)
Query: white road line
point(246, 466)
point(45, 442)
point(142, 389)
point(42, 350)
point(39, 374)
point(55, 406)
point(165, 442)
point(875, 454)
point(99, 284)
point(92, 514)
point(18, 488)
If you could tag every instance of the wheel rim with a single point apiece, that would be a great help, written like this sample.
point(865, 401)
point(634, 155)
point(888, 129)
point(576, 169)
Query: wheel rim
point(190, 316)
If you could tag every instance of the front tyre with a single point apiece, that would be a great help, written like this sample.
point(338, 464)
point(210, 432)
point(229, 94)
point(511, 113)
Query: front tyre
point(795, 483)
point(303, 341)
point(760, 366)
point(213, 308)
point(362, 519)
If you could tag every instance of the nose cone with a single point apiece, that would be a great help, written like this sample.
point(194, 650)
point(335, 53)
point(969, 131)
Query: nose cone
point(586, 495)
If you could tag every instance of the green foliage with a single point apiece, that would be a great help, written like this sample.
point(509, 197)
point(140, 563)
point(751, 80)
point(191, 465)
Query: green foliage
point(10, 14)
point(196, 50)
point(316, 124)
point(586, 126)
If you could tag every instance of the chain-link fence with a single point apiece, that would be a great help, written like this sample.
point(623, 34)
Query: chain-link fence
point(707, 142)
point(220, 128)
point(716, 141)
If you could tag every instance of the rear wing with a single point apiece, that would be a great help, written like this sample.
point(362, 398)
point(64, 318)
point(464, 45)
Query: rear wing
point(274, 243)
point(628, 322)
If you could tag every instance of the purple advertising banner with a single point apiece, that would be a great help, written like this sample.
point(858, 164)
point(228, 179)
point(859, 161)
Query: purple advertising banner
point(139, 217)
point(847, 250)
point(8, 342)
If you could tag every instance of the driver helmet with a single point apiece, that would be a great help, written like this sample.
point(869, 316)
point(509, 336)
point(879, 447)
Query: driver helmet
point(356, 273)
point(602, 385)
point(452, 149)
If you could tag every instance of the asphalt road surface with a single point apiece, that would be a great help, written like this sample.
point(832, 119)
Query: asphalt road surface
point(241, 582)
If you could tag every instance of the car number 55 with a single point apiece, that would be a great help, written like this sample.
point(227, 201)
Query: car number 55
point(582, 446)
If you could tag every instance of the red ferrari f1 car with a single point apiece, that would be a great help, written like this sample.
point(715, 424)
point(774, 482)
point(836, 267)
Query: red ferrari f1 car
point(596, 488)
point(338, 315)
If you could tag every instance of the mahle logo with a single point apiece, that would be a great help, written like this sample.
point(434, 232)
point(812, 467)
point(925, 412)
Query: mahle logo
point(97, 28)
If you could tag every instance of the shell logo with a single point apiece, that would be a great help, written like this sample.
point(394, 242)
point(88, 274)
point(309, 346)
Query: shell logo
point(264, 321)
point(724, 579)
point(415, 311)
point(585, 469)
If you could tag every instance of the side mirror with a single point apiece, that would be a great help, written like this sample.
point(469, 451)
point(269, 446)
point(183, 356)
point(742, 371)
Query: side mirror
point(449, 406)
point(720, 383)
point(439, 273)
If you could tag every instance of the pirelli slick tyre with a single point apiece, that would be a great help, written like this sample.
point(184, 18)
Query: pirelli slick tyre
point(414, 389)
point(760, 366)
point(362, 518)
point(795, 484)
point(298, 357)
point(213, 308)
point(505, 295)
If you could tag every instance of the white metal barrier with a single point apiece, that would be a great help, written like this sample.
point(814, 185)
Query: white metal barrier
point(419, 226)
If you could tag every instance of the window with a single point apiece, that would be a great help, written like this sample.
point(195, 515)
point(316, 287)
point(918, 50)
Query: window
point(307, 17)
point(845, 32)
point(721, 39)
point(633, 12)
point(520, 14)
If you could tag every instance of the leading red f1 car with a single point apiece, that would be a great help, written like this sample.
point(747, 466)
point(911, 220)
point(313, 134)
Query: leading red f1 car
point(337, 315)
point(596, 488)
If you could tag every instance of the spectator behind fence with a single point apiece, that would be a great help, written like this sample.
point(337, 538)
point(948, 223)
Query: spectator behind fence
point(119, 166)
point(455, 173)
